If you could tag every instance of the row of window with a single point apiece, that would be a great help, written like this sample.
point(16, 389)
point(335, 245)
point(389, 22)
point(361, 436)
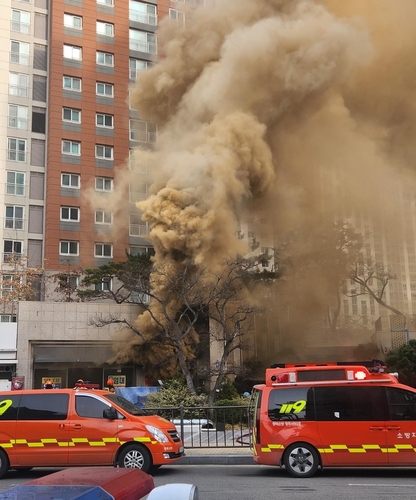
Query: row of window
point(73, 115)
point(70, 248)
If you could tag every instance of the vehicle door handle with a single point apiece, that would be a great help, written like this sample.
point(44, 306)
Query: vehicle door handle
point(376, 428)
point(77, 426)
point(62, 426)
point(393, 428)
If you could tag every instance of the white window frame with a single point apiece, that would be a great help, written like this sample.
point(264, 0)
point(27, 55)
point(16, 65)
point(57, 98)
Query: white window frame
point(106, 55)
point(133, 72)
point(70, 177)
point(103, 217)
point(72, 80)
point(19, 154)
point(17, 186)
point(73, 214)
point(177, 17)
point(17, 89)
point(8, 318)
point(15, 244)
point(72, 111)
point(139, 135)
point(105, 29)
point(72, 52)
point(71, 143)
point(106, 285)
point(105, 116)
point(106, 86)
point(136, 226)
point(104, 149)
point(104, 181)
point(142, 15)
point(69, 243)
point(108, 3)
point(21, 56)
point(14, 120)
point(101, 248)
point(17, 222)
point(136, 43)
point(19, 25)
point(71, 21)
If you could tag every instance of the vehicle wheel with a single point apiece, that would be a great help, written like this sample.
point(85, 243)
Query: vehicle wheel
point(135, 456)
point(301, 460)
point(4, 463)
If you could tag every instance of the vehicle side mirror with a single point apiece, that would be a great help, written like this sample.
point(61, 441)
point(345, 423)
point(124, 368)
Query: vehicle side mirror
point(110, 414)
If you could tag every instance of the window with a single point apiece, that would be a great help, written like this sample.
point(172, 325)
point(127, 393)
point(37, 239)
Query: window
point(11, 413)
point(282, 404)
point(137, 65)
point(103, 250)
point(12, 250)
point(71, 148)
point(18, 116)
point(106, 29)
point(14, 217)
point(72, 52)
point(105, 89)
point(142, 13)
point(8, 318)
point(67, 282)
point(19, 53)
point(6, 285)
point(90, 407)
point(15, 183)
point(104, 152)
point(71, 21)
point(137, 227)
point(106, 285)
point(103, 120)
point(142, 251)
point(49, 406)
point(19, 84)
point(71, 115)
point(142, 131)
point(109, 3)
point(68, 247)
point(103, 217)
point(21, 21)
point(142, 41)
point(177, 17)
point(402, 404)
point(103, 184)
point(70, 180)
point(16, 149)
point(72, 83)
point(105, 58)
point(70, 214)
point(349, 403)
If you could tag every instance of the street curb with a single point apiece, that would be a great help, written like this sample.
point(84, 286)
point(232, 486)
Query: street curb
point(216, 460)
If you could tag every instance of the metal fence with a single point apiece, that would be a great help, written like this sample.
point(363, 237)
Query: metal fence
point(209, 427)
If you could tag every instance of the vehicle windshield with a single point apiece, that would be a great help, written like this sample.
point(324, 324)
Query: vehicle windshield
point(126, 405)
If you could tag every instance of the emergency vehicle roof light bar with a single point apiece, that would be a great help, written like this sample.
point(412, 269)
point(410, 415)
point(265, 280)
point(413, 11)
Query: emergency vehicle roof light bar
point(374, 366)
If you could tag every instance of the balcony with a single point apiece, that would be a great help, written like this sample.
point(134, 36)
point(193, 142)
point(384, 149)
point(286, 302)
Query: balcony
point(143, 17)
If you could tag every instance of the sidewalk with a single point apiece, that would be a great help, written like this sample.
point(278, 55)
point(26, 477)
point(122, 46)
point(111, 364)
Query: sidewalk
point(217, 456)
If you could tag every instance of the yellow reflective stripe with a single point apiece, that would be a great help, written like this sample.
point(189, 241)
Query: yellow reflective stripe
point(80, 440)
point(97, 443)
point(20, 441)
point(339, 446)
point(371, 446)
point(35, 445)
point(266, 450)
point(404, 446)
point(143, 439)
point(325, 450)
point(49, 441)
point(110, 440)
point(392, 450)
point(357, 450)
point(276, 446)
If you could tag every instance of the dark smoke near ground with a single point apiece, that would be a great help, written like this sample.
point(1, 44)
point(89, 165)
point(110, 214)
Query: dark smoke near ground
point(301, 108)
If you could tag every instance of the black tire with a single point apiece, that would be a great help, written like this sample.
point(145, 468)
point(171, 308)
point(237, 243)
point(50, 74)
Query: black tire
point(301, 460)
point(4, 463)
point(135, 456)
point(155, 468)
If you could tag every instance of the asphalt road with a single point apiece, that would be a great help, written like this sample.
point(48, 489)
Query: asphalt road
point(255, 482)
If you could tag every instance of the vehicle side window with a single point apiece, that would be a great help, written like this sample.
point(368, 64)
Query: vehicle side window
point(291, 404)
point(8, 407)
point(402, 404)
point(43, 407)
point(89, 407)
point(349, 403)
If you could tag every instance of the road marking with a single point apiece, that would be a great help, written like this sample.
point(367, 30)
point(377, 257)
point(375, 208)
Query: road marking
point(372, 485)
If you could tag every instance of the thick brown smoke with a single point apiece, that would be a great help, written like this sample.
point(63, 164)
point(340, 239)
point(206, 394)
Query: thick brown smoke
point(263, 104)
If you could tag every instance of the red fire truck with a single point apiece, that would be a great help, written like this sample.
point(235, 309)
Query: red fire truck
point(316, 415)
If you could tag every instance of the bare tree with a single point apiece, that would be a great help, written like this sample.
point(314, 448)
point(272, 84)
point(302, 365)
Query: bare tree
point(372, 278)
point(173, 299)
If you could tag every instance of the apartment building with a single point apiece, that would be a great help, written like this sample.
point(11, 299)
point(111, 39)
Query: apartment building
point(67, 131)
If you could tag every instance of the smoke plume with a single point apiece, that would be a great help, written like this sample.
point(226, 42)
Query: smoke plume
point(261, 105)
